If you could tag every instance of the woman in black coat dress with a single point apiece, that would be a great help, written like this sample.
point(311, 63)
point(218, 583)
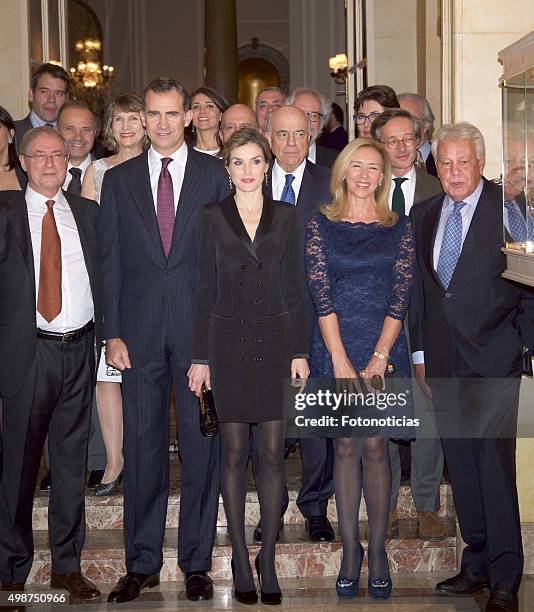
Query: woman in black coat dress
point(249, 336)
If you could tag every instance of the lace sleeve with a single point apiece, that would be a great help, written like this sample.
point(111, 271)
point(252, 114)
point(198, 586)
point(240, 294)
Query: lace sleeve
point(317, 268)
point(402, 278)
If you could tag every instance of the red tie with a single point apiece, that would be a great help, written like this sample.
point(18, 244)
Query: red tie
point(165, 205)
point(49, 295)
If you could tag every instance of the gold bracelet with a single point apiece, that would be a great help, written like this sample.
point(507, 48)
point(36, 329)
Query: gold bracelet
point(381, 356)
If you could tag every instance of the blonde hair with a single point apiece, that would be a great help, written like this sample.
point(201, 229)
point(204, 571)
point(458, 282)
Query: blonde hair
point(338, 208)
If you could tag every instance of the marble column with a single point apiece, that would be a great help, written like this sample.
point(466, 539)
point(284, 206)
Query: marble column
point(220, 36)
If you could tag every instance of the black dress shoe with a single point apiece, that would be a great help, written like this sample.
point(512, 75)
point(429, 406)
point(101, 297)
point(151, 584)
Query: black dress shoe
point(502, 600)
point(248, 598)
point(257, 534)
point(269, 599)
point(46, 481)
point(130, 585)
point(463, 583)
point(95, 477)
point(198, 586)
point(319, 529)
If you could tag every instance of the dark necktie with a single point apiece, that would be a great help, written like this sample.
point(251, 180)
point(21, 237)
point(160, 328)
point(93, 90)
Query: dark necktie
point(451, 245)
point(397, 200)
point(49, 125)
point(49, 294)
point(75, 185)
point(288, 194)
point(516, 222)
point(165, 205)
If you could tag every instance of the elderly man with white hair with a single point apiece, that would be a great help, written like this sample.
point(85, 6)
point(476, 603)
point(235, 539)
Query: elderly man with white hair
point(317, 109)
point(472, 325)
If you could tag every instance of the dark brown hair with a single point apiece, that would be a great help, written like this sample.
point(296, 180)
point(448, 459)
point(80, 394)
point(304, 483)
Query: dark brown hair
point(244, 136)
point(56, 72)
point(383, 94)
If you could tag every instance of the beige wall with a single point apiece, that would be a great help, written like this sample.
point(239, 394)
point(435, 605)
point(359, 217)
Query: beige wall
point(480, 30)
point(14, 59)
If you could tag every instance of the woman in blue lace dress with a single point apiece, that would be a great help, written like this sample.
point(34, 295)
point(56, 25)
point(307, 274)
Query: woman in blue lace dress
point(360, 264)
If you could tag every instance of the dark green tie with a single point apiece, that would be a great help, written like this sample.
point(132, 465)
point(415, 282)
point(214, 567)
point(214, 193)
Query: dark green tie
point(397, 201)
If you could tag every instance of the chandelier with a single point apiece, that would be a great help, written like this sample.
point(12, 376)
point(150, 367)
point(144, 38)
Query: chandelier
point(89, 73)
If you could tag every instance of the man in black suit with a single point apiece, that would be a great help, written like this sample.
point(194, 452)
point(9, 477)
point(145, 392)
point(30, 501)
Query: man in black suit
point(50, 287)
point(472, 325)
point(296, 180)
point(400, 133)
point(147, 226)
point(336, 137)
point(48, 92)
point(419, 106)
point(318, 110)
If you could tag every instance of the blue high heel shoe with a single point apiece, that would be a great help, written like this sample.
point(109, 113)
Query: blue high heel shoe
point(380, 588)
point(347, 588)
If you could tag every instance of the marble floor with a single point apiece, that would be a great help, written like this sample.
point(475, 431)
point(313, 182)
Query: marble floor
point(410, 594)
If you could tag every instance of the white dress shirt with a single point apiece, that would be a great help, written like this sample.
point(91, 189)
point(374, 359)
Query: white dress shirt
point(408, 189)
point(279, 179)
point(312, 152)
point(77, 307)
point(467, 213)
point(83, 167)
point(36, 121)
point(176, 169)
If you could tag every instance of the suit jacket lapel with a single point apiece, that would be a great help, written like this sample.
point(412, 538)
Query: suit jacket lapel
point(265, 222)
point(142, 197)
point(21, 226)
point(268, 191)
point(231, 214)
point(428, 236)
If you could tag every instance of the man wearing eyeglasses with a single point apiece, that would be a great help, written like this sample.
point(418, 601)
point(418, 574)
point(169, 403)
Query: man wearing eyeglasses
point(400, 133)
point(49, 313)
point(318, 110)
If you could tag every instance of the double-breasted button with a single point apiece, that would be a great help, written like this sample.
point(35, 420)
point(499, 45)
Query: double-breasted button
point(242, 284)
point(242, 322)
point(242, 301)
point(259, 321)
point(242, 339)
point(260, 266)
point(243, 267)
point(258, 340)
point(258, 302)
point(259, 284)
point(448, 295)
point(258, 358)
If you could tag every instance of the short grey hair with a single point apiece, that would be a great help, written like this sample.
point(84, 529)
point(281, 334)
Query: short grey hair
point(270, 88)
point(326, 106)
point(395, 113)
point(460, 131)
point(34, 133)
point(428, 115)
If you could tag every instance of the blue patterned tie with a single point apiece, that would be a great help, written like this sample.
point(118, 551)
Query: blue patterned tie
point(516, 223)
point(288, 195)
point(451, 245)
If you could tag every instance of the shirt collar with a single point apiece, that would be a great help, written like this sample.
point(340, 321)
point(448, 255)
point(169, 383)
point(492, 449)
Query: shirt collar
point(280, 174)
point(470, 200)
point(36, 121)
point(179, 156)
point(83, 166)
point(410, 175)
point(312, 152)
point(425, 150)
point(39, 200)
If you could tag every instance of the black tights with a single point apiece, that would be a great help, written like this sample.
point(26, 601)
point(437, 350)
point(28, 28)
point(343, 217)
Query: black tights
point(269, 447)
point(362, 464)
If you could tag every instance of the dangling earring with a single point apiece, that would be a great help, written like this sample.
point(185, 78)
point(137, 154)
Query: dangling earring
point(266, 180)
point(9, 140)
point(230, 184)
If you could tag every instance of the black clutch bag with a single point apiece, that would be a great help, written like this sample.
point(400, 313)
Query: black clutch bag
point(209, 423)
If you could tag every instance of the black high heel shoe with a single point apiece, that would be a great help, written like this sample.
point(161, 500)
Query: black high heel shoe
point(269, 599)
point(249, 598)
point(110, 488)
point(380, 588)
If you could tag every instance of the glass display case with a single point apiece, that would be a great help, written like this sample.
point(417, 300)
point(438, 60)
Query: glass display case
point(517, 83)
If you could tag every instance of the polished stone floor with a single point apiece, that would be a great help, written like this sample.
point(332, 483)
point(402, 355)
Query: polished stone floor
point(410, 594)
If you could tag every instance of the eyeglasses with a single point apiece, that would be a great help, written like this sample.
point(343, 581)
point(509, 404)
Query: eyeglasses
point(362, 118)
point(41, 158)
point(393, 143)
point(314, 117)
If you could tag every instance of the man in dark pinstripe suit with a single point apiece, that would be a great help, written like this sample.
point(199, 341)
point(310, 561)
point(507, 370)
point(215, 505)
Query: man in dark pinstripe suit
point(148, 232)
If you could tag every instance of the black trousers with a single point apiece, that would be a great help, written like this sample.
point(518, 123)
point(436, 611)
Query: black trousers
point(145, 392)
point(55, 399)
point(477, 419)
